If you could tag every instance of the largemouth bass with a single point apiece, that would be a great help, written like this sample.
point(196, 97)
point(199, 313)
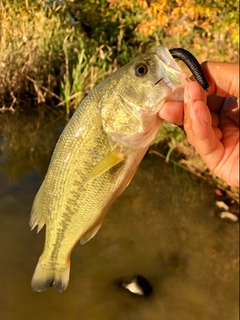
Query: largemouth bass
point(96, 157)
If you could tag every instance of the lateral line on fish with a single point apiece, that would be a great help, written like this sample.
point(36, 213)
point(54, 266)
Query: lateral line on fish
point(111, 130)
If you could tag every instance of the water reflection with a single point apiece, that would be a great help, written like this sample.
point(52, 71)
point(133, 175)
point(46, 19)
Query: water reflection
point(27, 141)
point(163, 227)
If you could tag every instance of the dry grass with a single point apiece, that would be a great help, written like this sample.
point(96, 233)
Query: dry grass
point(30, 48)
point(43, 60)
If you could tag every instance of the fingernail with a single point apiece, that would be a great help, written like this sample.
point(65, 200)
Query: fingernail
point(186, 94)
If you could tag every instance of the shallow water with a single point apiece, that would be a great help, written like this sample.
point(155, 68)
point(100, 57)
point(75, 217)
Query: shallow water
point(163, 227)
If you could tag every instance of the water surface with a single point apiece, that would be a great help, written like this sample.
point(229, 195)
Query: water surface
point(163, 227)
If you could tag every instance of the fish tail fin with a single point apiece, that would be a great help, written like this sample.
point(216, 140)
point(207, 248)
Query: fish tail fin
point(45, 278)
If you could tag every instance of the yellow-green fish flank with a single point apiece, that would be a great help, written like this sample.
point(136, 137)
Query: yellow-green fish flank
point(96, 157)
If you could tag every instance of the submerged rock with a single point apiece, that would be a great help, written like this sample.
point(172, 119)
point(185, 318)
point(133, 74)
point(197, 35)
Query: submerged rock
point(222, 205)
point(228, 216)
point(137, 285)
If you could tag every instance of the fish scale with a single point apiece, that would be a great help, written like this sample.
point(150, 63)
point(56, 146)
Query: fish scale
point(96, 157)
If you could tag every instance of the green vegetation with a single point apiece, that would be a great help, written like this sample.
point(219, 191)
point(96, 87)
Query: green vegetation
point(55, 52)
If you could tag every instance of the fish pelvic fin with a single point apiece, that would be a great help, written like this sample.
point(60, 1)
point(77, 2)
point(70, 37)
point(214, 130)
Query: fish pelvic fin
point(37, 218)
point(106, 164)
point(45, 278)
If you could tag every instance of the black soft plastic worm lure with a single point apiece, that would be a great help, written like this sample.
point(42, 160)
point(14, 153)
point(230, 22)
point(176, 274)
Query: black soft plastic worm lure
point(193, 65)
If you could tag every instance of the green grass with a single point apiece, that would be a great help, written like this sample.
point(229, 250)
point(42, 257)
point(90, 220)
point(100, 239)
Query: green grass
point(45, 60)
point(47, 63)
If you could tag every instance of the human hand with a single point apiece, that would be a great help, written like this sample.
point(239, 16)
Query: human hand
point(211, 120)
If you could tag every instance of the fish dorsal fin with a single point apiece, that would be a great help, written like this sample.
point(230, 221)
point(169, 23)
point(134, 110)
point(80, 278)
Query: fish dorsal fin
point(109, 161)
point(90, 233)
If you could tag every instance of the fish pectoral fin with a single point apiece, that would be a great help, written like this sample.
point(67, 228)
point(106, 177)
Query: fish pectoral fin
point(37, 218)
point(90, 233)
point(106, 163)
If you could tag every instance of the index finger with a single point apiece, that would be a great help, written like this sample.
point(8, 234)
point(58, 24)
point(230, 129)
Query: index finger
point(223, 78)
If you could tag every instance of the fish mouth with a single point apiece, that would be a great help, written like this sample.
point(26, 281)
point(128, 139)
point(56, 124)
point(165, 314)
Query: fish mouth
point(158, 81)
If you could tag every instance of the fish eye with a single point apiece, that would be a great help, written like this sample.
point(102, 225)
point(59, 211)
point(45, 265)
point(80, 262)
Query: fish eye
point(141, 69)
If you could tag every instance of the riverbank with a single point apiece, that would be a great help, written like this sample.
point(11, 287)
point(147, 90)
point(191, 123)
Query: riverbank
point(172, 146)
point(29, 137)
point(51, 56)
point(54, 54)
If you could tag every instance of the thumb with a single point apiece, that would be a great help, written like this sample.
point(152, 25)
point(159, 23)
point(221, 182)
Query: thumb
point(198, 124)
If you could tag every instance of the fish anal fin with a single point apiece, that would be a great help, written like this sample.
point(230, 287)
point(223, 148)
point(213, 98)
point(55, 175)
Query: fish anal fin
point(90, 233)
point(37, 218)
point(40, 225)
point(106, 163)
